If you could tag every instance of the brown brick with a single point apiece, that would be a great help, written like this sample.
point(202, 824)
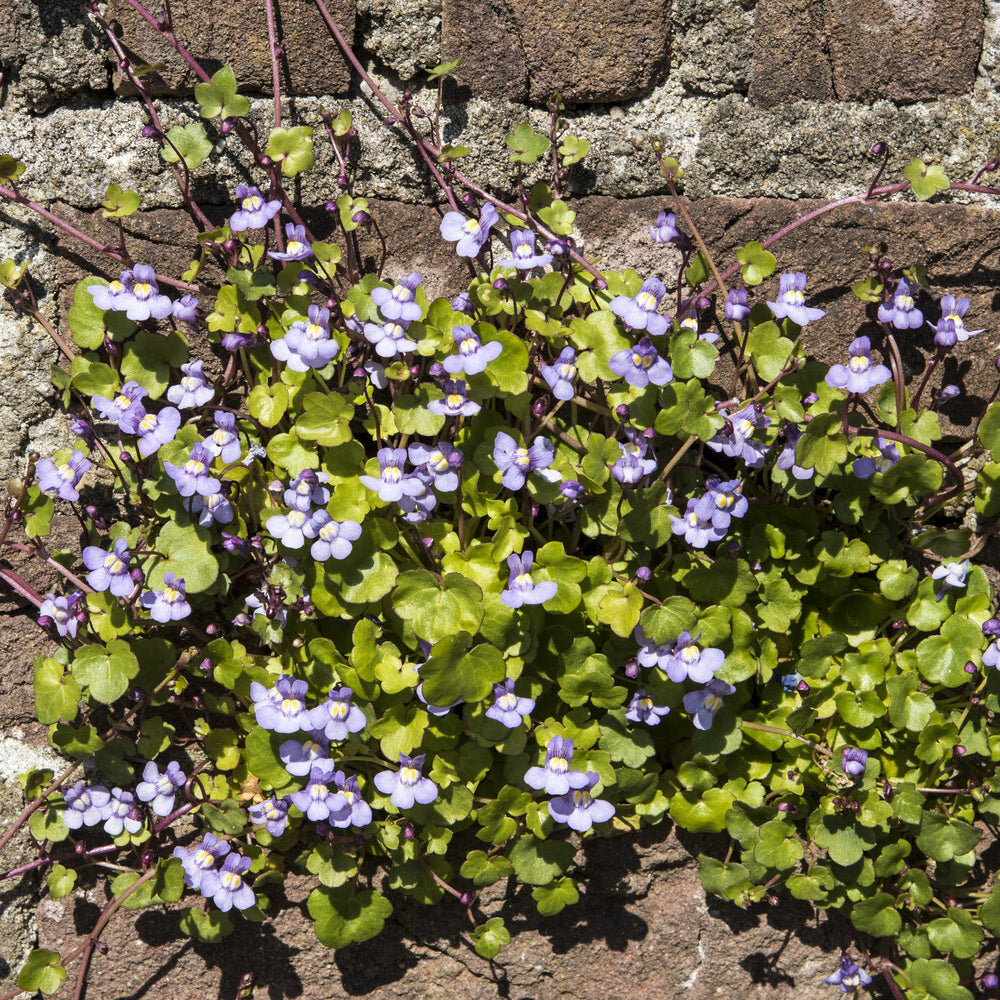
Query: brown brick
point(586, 50)
point(790, 61)
point(235, 34)
point(884, 49)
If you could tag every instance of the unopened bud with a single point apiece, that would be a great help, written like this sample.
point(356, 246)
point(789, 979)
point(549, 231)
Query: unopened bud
point(123, 65)
point(970, 667)
point(361, 218)
point(135, 814)
point(855, 807)
point(991, 627)
point(632, 669)
point(787, 807)
point(989, 981)
point(540, 405)
point(136, 575)
point(959, 751)
point(148, 131)
point(621, 411)
point(501, 284)
point(427, 542)
point(643, 573)
point(101, 947)
point(436, 369)
point(227, 126)
point(45, 621)
point(147, 858)
point(886, 790)
point(265, 160)
point(773, 900)
point(137, 694)
point(409, 832)
point(230, 245)
point(534, 510)
point(95, 515)
point(802, 687)
point(879, 149)
point(211, 629)
point(466, 899)
point(414, 370)
point(80, 848)
point(899, 623)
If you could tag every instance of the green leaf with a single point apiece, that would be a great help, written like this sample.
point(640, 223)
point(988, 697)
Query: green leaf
point(10, 169)
point(726, 879)
point(444, 69)
point(620, 607)
point(268, 403)
point(148, 357)
point(292, 148)
point(90, 325)
point(484, 870)
point(868, 289)
point(989, 912)
point(877, 916)
point(450, 153)
point(701, 812)
point(926, 180)
point(42, 971)
point(779, 846)
point(937, 978)
point(539, 862)
point(188, 549)
point(453, 671)
point(118, 204)
point(945, 839)
point(56, 692)
point(208, 926)
point(490, 937)
point(908, 708)
point(342, 917)
point(218, 99)
point(187, 143)
point(573, 150)
point(757, 263)
point(526, 145)
point(956, 934)
point(437, 609)
point(105, 672)
point(769, 351)
point(61, 881)
point(554, 898)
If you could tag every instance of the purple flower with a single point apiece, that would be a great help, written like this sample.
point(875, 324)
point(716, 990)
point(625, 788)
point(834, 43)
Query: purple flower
point(665, 230)
point(282, 708)
point(392, 483)
point(109, 570)
point(296, 246)
point(307, 344)
point(991, 657)
point(556, 777)
point(201, 859)
point(169, 604)
point(698, 523)
point(737, 308)
point(791, 301)
point(523, 256)
point(853, 761)
point(116, 296)
point(900, 310)
point(640, 313)
point(578, 809)
point(306, 489)
point(85, 806)
point(337, 717)
point(224, 441)
point(407, 785)
point(125, 411)
point(736, 439)
point(507, 708)
point(417, 507)
point(521, 588)
point(859, 374)
point(193, 476)
point(253, 213)
point(389, 339)
point(950, 328)
point(462, 302)
point(226, 887)
point(950, 574)
point(62, 479)
point(627, 470)
point(727, 499)
point(234, 340)
point(516, 463)
point(786, 460)
point(299, 758)
point(272, 813)
point(160, 789)
point(333, 538)
point(185, 309)
point(469, 234)
point(561, 375)
point(291, 529)
point(213, 509)
point(59, 611)
point(641, 365)
point(704, 705)
point(145, 300)
point(193, 389)
point(689, 661)
point(456, 402)
point(473, 355)
point(642, 709)
point(650, 654)
point(157, 429)
point(848, 977)
point(358, 813)
point(316, 801)
point(441, 461)
point(878, 455)
point(399, 303)
point(122, 814)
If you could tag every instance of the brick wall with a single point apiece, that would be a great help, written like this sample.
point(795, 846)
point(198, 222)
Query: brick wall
point(766, 104)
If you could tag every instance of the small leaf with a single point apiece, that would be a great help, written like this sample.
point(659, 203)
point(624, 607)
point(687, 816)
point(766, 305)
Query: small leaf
point(757, 263)
point(526, 144)
point(219, 99)
point(42, 972)
point(187, 143)
point(343, 918)
point(292, 148)
point(444, 69)
point(490, 937)
point(925, 180)
point(118, 204)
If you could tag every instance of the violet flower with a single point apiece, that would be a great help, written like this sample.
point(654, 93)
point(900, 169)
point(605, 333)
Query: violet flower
point(305, 344)
point(193, 476)
point(193, 388)
point(878, 455)
point(224, 441)
point(469, 234)
point(296, 245)
point(704, 705)
point(201, 859)
point(556, 777)
point(665, 230)
point(441, 460)
point(185, 309)
point(64, 478)
point(306, 489)
point(85, 806)
point(272, 814)
point(389, 339)
point(160, 789)
point(213, 509)
point(399, 303)
point(456, 402)
point(337, 718)
point(517, 463)
point(727, 499)
point(157, 429)
point(650, 654)
point(639, 312)
point(392, 483)
point(687, 661)
point(334, 539)
point(521, 587)
point(254, 212)
point(226, 887)
point(849, 976)
point(853, 761)
point(358, 812)
point(859, 375)
point(122, 814)
point(698, 525)
point(125, 410)
point(282, 708)
point(736, 439)
point(737, 306)
point(144, 299)
point(786, 460)
point(291, 529)
point(473, 355)
point(950, 574)
point(59, 611)
point(116, 296)
point(561, 375)
point(578, 809)
point(407, 786)
point(641, 365)
point(950, 328)
point(900, 310)
point(169, 604)
point(299, 758)
point(507, 708)
point(642, 709)
point(109, 570)
point(791, 300)
point(523, 256)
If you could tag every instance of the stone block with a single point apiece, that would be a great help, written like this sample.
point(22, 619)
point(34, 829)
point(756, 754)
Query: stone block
point(903, 50)
point(586, 50)
point(790, 62)
point(235, 34)
point(713, 46)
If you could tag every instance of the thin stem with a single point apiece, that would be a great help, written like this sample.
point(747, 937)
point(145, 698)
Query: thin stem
point(938, 456)
point(786, 732)
point(697, 235)
point(897, 376)
point(275, 68)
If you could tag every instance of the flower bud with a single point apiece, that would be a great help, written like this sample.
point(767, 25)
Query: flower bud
point(111, 349)
point(227, 126)
point(540, 405)
point(989, 981)
point(773, 900)
point(809, 398)
point(427, 542)
point(991, 627)
point(802, 687)
point(101, 947)
point(135, 814)
point(466, 899)
point(137, 694)
point(147, 858)
point(970, 667)
point(361, 218)
point(211, 629)
point(265, 160)
point(436, 369)
point(643, 573)
point(123, 65)
point(787, 807)
point(621, 411)
point(414, 370)
point(632, 669)
point(148, 131)
point(230, 245)
point(501, 284)
point(879, 149)
point(45, 621)
point(80, 848)
point(886, 790)
point(898, 623)
point(136, 575)
point(94, 514)
point(958, 751)
point(409, 832)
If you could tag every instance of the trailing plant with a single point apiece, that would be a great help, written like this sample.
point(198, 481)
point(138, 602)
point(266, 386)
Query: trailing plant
point(410, 594)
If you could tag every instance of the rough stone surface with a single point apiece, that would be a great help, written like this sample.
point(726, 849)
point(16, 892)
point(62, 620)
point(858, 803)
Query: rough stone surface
point(713, 46)
point(585, 50)
point(403, 35)
point(49, 52)
point(790, 59)
point(235, 34)
point(903, 50)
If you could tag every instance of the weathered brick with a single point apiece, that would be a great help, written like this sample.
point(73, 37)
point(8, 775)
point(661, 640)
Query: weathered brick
point(585, 50)
point(235, 34)
point(903, 50)
point(790, 62)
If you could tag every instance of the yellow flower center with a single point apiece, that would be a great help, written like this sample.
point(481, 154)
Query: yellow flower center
point(148, 422)
point(859, 364)
point(294, 246)
point(315, 332)
point(409, 775)
point(291, 705)
point(646, 300)
point(455, 401)
point(142, 290)
point(252, 203)
point(193, 467)
point(231, 880)
point(170, 595)
point(559, 765)
point(795, 298)
point(338, 709)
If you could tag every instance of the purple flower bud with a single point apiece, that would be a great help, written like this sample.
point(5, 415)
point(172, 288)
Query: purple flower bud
point(773, 901)
point(809, 398)
point(409, 832)
point(233, 543)
point(989, 981)
point(94, 514)
point(45, 621)
point(802, 687)
point(959, 751)
point(147, 858)
point(361, 218)
point(855, 807)
point(148, 132)
point(733, 546)
point(632, 669)
point(135, 814)
point(137, 694)
point(540, 405)
point(211, 629)
point(436, 369)
point(136, 575)
point(899, 623)
point(123, 65)
point(643, 573)
point(427, 542)
point(501, 285)
point(970, 667)
point(879, 149)
point(227, 126)
point(80, 848)
point(886, 790)
point(466, 900)
point(621, 411)
point(206, 665)
point(101, 947)
point(991, 627)
point(534, 510)
point(414, 370)
point(787, 807)
point(265, 161)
